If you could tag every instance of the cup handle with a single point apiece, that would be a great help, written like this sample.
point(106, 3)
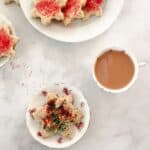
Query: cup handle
point(142, 64)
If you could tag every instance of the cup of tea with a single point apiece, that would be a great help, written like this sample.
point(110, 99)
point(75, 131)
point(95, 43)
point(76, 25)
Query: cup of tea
point(115, 70)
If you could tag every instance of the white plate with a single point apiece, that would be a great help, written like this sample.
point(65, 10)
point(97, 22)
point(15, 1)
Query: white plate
point(5, 21)
point(52, 141)
point(78, 31)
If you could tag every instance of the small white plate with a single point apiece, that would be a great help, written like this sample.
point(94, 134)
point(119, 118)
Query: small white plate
point(78, 31)
point(52, 141)
point(5, 21)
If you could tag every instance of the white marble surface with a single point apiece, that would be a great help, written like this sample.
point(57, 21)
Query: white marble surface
point(119, 122)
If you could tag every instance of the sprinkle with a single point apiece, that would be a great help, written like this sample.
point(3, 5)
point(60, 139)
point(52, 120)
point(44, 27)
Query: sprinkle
point(66, 91)
point(80, 125)
point(39, 134)
point(31, 111)
point(60, 140)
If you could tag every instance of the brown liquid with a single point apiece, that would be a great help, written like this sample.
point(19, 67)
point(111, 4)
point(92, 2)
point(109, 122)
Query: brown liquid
point(114, 69)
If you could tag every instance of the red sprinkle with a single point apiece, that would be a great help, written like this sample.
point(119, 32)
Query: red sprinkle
point(66, 91)
point(60, 140)
point(51, 104)
point(46, 121)
point(48, 7)
point(80, 125)
point(5, 41)
point(39, 134)
point(44, 93)
point(48, 110)
point(92, 5)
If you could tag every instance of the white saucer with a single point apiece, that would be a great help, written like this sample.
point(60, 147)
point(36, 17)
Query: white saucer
point(52, 141)
point(79, 30)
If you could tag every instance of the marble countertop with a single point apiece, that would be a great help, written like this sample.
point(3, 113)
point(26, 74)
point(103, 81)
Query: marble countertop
point(118, 122)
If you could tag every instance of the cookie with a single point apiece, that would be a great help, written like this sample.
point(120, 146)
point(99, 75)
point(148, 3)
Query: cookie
point(8, 41)
point(73, 10)
point(93, 8)
point(47, 10)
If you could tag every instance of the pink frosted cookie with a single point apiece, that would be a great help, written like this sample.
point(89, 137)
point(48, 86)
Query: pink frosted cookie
point(93, 8)
point(47, 10)
point(73, 10)
point(8, 41)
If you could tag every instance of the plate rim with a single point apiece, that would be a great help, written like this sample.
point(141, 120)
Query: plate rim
point(35, 26)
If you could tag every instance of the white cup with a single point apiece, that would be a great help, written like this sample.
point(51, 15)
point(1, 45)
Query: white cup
point(134, 78)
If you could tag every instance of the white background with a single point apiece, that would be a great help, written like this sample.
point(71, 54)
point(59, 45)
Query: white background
point(119, 122)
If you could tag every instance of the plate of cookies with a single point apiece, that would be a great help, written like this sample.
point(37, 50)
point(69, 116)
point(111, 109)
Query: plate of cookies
point(71, 20)
point(58, 116)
